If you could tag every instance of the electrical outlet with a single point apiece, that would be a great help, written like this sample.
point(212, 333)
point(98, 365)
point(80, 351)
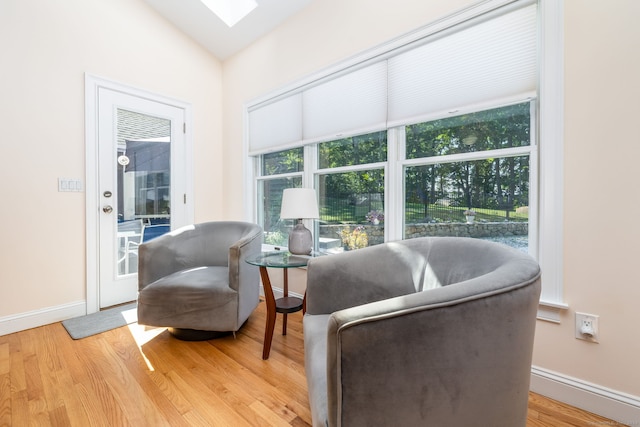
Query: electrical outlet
point(587, 327)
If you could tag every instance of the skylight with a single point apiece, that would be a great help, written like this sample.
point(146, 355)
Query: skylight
point(230, 11)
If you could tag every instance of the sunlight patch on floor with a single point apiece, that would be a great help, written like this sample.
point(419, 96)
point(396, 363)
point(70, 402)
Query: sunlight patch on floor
point(143, 334)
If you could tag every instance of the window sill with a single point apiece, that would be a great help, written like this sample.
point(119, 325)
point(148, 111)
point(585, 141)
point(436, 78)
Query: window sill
point(551, 311)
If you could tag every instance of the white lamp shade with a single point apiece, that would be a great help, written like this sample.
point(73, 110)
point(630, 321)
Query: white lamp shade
point(299, 203)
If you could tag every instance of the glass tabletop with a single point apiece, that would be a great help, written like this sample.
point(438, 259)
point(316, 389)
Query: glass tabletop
point(279, 259)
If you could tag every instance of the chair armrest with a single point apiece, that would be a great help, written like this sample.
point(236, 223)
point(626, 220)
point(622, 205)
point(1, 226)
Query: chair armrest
point(244, 277)
point(412, 351)
point(336, 282)
point(250, 244)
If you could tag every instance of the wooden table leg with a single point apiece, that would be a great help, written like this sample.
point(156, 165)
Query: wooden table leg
point(285, 292)
point(271, 312)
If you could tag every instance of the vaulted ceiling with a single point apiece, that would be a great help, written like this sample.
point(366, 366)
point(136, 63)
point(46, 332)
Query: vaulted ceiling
point(201, 24)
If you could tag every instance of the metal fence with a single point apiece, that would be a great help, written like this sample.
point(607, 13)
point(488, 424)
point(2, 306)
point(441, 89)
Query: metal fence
point(349, 207)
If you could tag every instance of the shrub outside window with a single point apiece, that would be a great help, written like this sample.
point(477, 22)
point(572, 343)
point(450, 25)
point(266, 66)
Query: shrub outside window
point(347, 202)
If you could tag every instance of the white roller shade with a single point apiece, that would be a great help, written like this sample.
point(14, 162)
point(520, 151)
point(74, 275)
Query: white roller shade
point(353, 103)
point(492, 60)
point(276, 126)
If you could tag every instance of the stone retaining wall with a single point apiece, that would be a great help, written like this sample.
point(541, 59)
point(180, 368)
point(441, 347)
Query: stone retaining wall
point(478, 229)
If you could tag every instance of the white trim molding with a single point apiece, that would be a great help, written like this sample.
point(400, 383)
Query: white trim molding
point(551, 137)
point(36, 318)
point(621, 407)
point(93, 84)
point(551, 311)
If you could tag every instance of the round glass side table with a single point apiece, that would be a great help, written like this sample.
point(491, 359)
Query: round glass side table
point(286, 304)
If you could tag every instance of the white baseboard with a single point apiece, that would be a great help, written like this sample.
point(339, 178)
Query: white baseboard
point(602, 401)
point(45, 316)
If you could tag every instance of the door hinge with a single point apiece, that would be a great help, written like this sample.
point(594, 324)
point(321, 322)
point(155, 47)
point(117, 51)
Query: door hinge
point(185, 198)
point(184, 128)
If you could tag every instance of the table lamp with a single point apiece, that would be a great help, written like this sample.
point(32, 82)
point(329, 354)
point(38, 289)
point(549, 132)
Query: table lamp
point(299, 203)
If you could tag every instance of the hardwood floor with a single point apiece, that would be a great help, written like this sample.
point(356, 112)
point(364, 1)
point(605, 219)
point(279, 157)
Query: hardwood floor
point(132, 376)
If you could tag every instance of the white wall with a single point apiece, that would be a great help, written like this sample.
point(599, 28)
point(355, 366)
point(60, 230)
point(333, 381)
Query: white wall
point(45, 49)
point(602, 147)
point(601, 238)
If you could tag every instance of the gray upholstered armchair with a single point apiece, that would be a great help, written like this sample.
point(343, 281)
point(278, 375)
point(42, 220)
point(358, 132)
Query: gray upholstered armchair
point(195, 280)
point(423, 332)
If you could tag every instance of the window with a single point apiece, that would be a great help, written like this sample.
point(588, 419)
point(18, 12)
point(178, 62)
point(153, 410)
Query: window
point(477, 162)
point(469, 176)
point(461, 133)
point(279, 170)
point(350, 182)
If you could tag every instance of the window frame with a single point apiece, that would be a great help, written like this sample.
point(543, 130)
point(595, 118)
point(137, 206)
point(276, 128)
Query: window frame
point(384, 166)
point(531, 150)
point(546, 159)
point(258, 177)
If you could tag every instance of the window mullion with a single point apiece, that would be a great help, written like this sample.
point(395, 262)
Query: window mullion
point(310, 165)
point(394, 183)
point(464, 157)
point(280, 176)
point(309, 180)
point(353, 168)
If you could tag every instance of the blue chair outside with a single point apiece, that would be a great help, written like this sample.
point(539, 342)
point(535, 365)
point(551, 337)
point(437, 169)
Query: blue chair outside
point(153, 231)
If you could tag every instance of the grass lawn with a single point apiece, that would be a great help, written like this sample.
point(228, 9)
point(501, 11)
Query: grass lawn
point(416, 213)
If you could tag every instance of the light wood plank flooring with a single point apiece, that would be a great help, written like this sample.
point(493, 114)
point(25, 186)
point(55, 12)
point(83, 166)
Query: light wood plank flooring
point(136, 376)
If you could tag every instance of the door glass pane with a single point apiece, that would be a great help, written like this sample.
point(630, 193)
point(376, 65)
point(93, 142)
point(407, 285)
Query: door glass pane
point(142, 201)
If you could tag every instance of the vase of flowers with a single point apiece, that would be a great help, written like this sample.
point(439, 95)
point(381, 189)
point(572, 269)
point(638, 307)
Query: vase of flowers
point(375, 217)
point(470, 215)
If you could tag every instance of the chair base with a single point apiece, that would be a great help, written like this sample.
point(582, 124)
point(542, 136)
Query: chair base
point(195, 335)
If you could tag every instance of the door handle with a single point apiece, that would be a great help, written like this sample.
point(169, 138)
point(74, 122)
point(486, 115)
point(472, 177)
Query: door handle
point(107, 209)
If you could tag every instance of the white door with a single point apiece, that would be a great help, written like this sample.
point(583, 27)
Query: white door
point(141, 184)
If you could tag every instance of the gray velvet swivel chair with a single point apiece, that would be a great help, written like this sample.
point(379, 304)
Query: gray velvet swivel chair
point(195, 280)
point(433, 332)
